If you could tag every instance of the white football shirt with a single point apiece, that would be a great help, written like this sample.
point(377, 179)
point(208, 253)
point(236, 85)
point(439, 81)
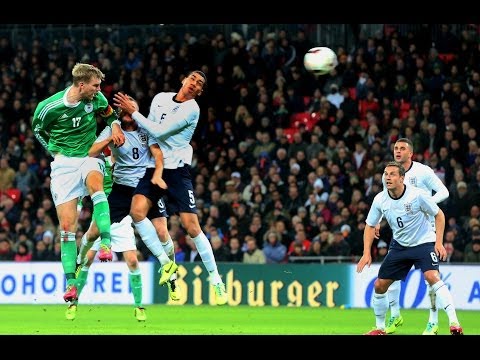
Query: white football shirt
point(423, 177)
point(132, 158)
point(173, 126)
point(407, 216)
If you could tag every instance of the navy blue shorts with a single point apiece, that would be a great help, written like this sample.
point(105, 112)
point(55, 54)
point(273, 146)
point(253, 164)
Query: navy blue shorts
point(179, 195)
point(119, 200)
point(400, 259)
point(153, 193)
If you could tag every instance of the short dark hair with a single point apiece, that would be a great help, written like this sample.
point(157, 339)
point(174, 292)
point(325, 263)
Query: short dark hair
point(401, 169)
point(406, 140)
point(202, 74)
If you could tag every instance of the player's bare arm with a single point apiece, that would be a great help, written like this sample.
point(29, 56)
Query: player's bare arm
point(158, 173)
point(439, 230)
point(366, 259)
point(97, 148)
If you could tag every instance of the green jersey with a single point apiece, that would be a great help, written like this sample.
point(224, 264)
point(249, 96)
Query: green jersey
point(69, 129)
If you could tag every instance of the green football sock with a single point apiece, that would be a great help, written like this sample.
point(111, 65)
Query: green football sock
point(135, 278)
point(68, 248)
point(101, 214)
point(84, 247)
point(82, 279)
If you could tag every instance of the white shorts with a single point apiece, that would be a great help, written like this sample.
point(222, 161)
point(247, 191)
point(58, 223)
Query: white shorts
point(68, 177)
point(122, 236)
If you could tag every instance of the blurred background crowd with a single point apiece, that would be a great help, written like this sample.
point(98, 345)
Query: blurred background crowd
point(285, 164)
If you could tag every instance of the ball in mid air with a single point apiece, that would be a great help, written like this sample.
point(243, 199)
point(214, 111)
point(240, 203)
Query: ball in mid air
point(320, 60)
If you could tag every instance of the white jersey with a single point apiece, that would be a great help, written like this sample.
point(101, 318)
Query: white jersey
point(132, 158)
point(423, 177)
point(173, 127)
point(408, 216)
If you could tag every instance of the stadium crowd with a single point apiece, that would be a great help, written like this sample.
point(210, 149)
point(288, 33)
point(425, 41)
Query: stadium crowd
point(286, 164)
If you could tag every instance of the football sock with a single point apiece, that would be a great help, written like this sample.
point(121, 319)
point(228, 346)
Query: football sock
point(393, 293)
point(169, 249)
point(82, 279)
point(206, 253)
point(68, 248)
point(380, 308)
point(433, 318)
point(445, 300)
point(135, 278)
point(101, 214)
point(84, 247)
point(149, 236)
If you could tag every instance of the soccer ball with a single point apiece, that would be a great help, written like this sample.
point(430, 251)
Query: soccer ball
point(320, 60)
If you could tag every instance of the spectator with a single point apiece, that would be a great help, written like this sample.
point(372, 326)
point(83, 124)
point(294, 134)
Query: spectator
point(275, 252)
point(339, 246)
point(219, 249)
point(382, 249)
point(316, 249)
point(6, 252)
point(7, 175)
point(22, 254)
point(235, 253)
point(472, 250)
point(41, 253)
point(253, 255)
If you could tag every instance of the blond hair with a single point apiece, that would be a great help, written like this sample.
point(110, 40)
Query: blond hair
point(85, 73)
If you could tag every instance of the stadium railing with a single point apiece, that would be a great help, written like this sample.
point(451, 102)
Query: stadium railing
point(323, 259)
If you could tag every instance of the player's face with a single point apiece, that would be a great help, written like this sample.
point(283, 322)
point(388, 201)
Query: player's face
point(402, 152)
point(192, 85)
point(392, 177)
point(88, 90)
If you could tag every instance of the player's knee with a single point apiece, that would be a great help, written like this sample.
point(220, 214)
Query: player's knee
point(193, 228)
point(381, 286)
point(137, 215)
point(431, 277)
point(131, 259)
point(162, 234)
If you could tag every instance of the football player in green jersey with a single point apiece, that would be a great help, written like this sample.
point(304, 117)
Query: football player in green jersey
point(66, 126)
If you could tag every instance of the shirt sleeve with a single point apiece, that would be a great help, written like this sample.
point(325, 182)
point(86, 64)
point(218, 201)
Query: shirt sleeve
point(375, 213)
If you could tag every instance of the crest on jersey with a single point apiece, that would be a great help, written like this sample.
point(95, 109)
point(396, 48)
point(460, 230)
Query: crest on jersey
point(88, 108)
point(143, 138)
point(408, 208)
point(175, 109)
point(413, 181)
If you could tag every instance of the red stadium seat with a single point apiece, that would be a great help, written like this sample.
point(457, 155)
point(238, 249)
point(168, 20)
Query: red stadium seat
point(300, 118)
point(14, 194)
point(289, 133)
point(353, 93)
point(447, 57)
point(403, 109)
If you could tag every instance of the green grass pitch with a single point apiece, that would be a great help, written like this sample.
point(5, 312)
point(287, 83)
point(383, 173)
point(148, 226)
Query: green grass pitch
point(212, 320)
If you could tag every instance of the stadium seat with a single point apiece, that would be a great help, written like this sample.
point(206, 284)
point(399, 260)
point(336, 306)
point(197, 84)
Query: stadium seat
point(299, 118)
point(14, 194)
point(447, 57)
point(353, 93)
point(289, 133)
point(403, 109)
